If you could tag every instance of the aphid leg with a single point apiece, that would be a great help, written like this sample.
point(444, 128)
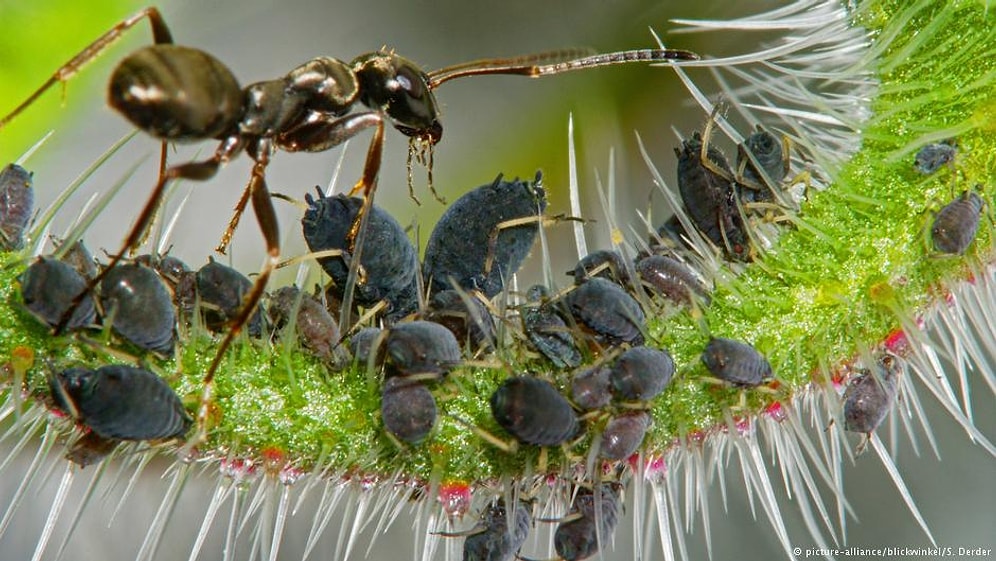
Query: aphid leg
point(160, 34)
point(510, 446)
point(262, 205)
point(197, 171)
point(706, 138)
point(489, 260)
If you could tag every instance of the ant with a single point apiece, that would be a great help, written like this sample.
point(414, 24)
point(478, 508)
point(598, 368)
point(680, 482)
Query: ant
point(183, 94)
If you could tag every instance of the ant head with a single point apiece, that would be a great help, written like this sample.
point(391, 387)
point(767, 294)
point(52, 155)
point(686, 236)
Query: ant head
point(399, 88)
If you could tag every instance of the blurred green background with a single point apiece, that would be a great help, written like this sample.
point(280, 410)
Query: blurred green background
point(492, 124)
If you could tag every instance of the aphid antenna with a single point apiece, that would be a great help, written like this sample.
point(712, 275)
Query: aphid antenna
point(313, 256)
point(301, 205)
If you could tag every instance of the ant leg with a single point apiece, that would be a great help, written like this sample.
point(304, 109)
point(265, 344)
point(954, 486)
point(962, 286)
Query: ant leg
point(233, 223)
point(262, 206)
point(160, 34)
point(197, 171)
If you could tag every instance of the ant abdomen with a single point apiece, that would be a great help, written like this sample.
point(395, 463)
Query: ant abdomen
point(176, 93)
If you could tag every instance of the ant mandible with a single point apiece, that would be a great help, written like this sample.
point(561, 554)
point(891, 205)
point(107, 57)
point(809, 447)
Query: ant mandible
point(183, 94)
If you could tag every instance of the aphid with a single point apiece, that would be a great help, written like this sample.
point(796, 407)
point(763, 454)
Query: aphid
point(494, 538)
point(608, 311)
point(421, 347)
point(313, 325)
point(768, 151)
point(547, 330)
point(408, 409)
point(388, 262)
point(707, 191)
point(641, 373)
point(473, 325)
point(932, 156)
point(484, 236)
point(623, 435)
point(139, 307)
point(672, 279)
point(736, 362)
point(956, 224)
point(604, 263)
point(590, 387)
point(869, 396)
point(533, 411)
point(577, 538)
point(17, 201)
point(49, 287)
point(120, 402)
point(221, 291)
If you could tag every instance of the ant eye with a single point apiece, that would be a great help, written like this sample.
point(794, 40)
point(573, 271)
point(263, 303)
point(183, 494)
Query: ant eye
point(401, 90)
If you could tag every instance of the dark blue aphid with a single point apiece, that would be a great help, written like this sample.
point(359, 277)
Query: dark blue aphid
point(608, 311)
point(221, 291)
point(476, 245)
point(17, 200)
point(407, 409)
point(641, 373)
point(956, 224)
point(420, 347)
point(139, 306)
point(495, 537)
point(388, 260)
point(767, 149)
point(120, 402)
point(736, 362)
point(623, 435)
point(533, 411)
point(49, 286)
point(547, 330)
point(578, 538)
point(709, 197)
point(869, 397)
point(931, 157)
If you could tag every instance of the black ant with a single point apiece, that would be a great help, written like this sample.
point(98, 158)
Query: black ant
point(182, 94)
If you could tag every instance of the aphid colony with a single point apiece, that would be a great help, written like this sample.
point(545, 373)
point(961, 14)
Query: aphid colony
point(439, 313)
